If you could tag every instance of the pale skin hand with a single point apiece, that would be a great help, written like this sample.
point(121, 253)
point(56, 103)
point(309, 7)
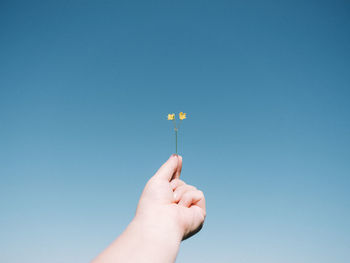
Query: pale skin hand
point(168, 212)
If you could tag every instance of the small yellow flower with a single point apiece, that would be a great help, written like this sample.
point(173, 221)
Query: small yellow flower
point(171, 116)
point(182, 116)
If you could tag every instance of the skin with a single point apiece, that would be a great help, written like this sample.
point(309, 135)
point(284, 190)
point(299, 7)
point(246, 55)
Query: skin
point(168, 212)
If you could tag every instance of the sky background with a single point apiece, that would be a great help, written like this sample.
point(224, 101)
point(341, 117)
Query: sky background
point(85, 88)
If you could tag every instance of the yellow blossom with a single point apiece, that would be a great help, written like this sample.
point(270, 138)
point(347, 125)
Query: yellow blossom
point(171, 116)
point(182, 115)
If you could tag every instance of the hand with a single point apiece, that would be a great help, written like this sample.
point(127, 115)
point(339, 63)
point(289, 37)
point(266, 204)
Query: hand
point(170, 204)
point(169, 211)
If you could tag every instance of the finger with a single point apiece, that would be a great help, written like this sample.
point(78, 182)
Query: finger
point(193, 197)
point(201, 214)
point(175, 183)
point(167, 170)
point(179, 167)
point(181, 190)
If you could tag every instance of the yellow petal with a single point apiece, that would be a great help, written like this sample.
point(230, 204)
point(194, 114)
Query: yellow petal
point(182, 115)
point(171, 116)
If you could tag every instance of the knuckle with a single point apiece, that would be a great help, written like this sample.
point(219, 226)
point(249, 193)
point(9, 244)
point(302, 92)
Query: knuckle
point(174, 183)
point(192, 187)
point(187, 195)
point(179, 181)
point(182, 187)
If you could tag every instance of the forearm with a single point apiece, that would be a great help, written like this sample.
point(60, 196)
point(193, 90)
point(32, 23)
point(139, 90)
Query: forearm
point(143, 242)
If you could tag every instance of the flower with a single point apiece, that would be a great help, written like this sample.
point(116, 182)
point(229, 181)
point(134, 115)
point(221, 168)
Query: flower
point(182, 116)
point(171, 117)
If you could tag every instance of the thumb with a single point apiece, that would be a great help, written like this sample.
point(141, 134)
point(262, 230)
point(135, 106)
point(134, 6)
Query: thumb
point(168, 169)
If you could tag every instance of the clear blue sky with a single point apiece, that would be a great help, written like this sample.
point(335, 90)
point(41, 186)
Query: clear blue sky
point(85, 87)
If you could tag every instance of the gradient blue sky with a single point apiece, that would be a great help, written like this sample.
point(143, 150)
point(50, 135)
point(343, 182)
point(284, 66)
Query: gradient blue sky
point(85, 87)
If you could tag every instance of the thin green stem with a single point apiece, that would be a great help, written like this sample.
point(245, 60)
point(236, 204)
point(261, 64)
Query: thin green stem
point(175, 129)
point(176, 139)
point(174, 121)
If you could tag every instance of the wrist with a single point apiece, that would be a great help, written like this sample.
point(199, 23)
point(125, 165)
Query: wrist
point(157, 243)
point(160, 227)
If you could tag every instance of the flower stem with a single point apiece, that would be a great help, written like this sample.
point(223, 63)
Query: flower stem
point(176, 139)
point(176, 129)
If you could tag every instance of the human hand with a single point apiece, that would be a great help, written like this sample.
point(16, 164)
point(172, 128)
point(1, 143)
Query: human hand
point(169, 204)
point(169, 211)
